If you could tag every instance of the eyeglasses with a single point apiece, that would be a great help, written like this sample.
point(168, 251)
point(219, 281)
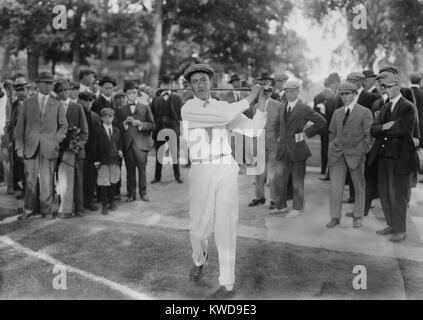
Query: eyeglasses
point(384, 86)
point(345, 93)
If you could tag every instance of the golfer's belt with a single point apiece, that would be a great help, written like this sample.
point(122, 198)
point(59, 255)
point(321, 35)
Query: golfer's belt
point(209, 159)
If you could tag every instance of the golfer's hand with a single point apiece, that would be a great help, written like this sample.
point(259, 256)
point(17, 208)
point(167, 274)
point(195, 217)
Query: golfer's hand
point(120, 154)
point(263, 96)
point(97, 165)
point(416, 142)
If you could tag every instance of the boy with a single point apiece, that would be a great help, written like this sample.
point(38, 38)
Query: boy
point(108, 152)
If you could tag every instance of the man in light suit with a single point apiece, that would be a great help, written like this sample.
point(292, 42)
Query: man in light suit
point(41, 127)
point(293, 151)
point(349, 142)
point(136, 124)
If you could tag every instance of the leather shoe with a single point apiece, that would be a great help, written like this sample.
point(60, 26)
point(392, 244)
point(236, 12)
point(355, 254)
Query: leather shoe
point(222, 294)
point(179, 181)
point(272, 205)
point(333, 223)
point(64, 215)
point(80, 213)
point(144, 198)
point(325, 178)
point(385, 232)
point(20, 196)
point(196, 272)
point(398, 237)
point(26, 216)
point(357, 223)
point(155, 181)
point(256, 202)
point(48, 216)
point(113, 206)
point(131, 199)
point(91, 207)
point(104, 210)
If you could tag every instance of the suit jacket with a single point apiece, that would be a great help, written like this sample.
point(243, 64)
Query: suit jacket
point(45, 131)
point(323, 98)
point(76, 118)
point(16, 109)
point(300, 115)
point(418, 94)
point(230, 98)
point(102, 103)
point(366, 99)
point(353, 140)
point(94, 123)
point(167, 113)
point(273, 110)
point(142, 138)
point(396, 143)
point(103, 148)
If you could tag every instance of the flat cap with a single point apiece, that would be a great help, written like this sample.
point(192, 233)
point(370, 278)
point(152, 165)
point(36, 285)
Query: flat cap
point(74, 85)
point(369, 74)
point(415, 77)
point(87, 96)
point(85, 72)
point(333, 77)
point(390, 69)
point(291, 85)
point(45, 76)
point(60, 85)
point(392, 80)
point(107, 112)
point(20, 83)
point(107, 79)
point(347, 87)
point(199, 67)
point(281, 77)
point(234, 78)
point(355, 76)
point(383, 75)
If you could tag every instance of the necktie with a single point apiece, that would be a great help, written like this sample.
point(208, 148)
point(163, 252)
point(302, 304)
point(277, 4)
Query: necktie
point(43, 104)
point(110, 133)
point(388, 113)
point(347, 115)
point(132, 106)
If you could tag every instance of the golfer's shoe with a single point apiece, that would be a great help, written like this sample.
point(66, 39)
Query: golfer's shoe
point(197, 271)
point(222, 294)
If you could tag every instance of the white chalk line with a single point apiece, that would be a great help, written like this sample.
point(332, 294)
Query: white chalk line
point(130, 293)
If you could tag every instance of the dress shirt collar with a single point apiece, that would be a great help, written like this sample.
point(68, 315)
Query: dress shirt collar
point(350, 106)
point(201, 102)
point(385, 97)
point(66, 103)
point(373, 87)
point(108, 99)
point(359, 91)
point(395, 101)
point(292, 104)
point(107, 127)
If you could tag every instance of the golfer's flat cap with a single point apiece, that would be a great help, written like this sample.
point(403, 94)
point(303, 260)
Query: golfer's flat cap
point(291, 85)
point(392, 80)
point(355, 76)
point(87, 96)
point(347, 87)
point(199, 67)
point(107, 112)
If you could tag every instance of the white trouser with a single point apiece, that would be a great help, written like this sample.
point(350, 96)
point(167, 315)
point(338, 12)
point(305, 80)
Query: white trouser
point(213, 191)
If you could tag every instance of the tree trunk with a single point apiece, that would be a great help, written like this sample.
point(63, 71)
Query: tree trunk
point(156, 50)
point(33, 63)
point(5, 61)
point(76, 45)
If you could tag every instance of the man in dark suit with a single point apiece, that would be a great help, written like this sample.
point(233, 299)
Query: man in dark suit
point(326, 109)
point(41, 127)
point(20, 87)
point(397, 156)
point(369, 83)
point(166, 110)
point(105, 99)
point(72, 155)
point(416, 79)
point(137, 123)
point(293, 151)
point(350, 141)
